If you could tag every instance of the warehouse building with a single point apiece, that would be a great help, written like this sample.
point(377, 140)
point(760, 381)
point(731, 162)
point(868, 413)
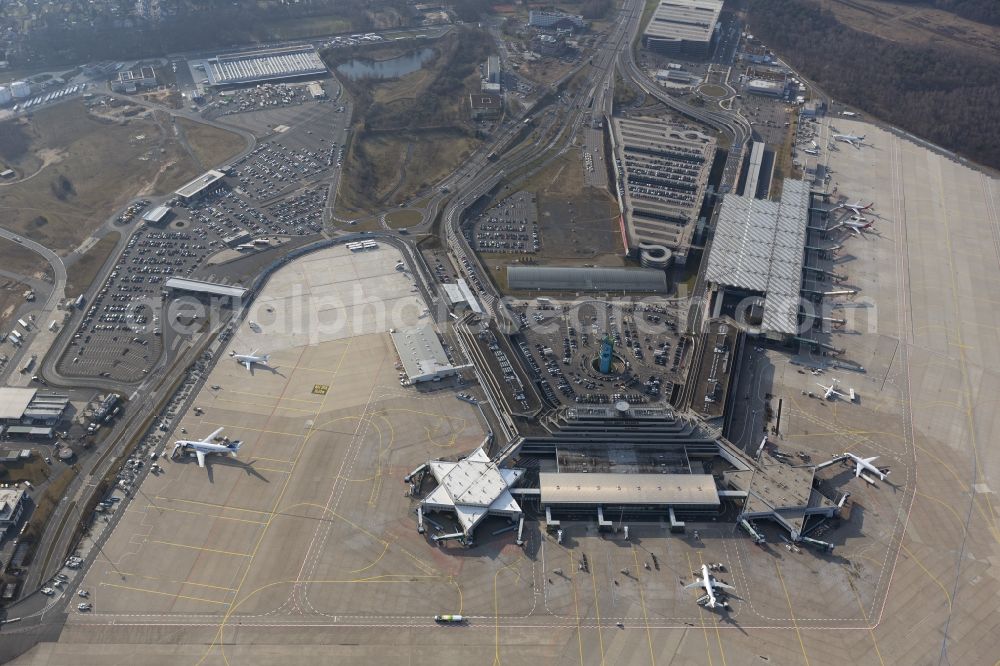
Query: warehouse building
point(421, 354)
point(758, 251)
point(200, 185)
point(266, 65)
point(662, 175)
point(683, 27)
point(568, 279)
point(156, 215)
point(25, 407)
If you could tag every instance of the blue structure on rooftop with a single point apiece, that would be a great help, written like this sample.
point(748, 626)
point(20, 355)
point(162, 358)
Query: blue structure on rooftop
point(606, 348)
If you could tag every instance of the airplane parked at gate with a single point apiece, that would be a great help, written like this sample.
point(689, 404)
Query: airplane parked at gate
point(205, 446)
point(856, 225)
point(710, 584)
point(857, 207)
point(865, 465)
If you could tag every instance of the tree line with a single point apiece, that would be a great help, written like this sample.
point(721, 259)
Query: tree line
point(946, 97)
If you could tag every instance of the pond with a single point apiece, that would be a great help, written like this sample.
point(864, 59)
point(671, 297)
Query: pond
point(365, 68)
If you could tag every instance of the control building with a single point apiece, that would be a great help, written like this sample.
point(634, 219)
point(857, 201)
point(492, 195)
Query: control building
point(683, 27)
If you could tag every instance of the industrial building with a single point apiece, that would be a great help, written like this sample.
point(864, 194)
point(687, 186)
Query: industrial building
point(206, 288)
point(197, 187)
point(12, 502)
point(662, 174)
point(548, 20)
point(265, 65)
point(485, 106)
point(316, 90)
point(421, 354)
point(472, 489)
point(569, 279)
point(683, 27)
point(756, 179)
point(758, 251)
point(25, 407)
point(134, 79)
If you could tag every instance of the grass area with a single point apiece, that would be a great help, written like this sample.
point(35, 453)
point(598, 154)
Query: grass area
point(712, 90)
point(211, 146)
point(301, 28)
point(19, 260)
point(916, 24)
point(47, 501)
point(82, 272)
point(35, 471)
point(80, 169)
point(402, 219)
point(411, 131)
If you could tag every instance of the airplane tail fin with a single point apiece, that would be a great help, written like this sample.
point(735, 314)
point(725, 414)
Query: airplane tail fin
point(235, 446)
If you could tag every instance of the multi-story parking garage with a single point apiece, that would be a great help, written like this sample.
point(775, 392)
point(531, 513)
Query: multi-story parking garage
point(662, 174)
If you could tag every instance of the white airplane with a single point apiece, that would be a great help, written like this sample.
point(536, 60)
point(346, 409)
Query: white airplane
point(854, 140)
point(857, 207)
point(856, 225)
point(831, 390)
point(710, 584)
point(809, 151)
point(249, 359)
point(206, 446)
point(865, 465)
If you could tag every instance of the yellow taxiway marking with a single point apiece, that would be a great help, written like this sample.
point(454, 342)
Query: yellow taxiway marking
point(178, 582)
point(597, 607)
point(934, 578)
point(274, 397)
point(202, 515)
point(701, 616)
point(201, 548)
point(263, 512)
point(645, 615)
point(165, 594)
point(243, 426)
point(217, 640)
point(377, 560)
point(791, 613)
point(576, 605)
point(718, 635)
point(871, 631)
point(244, 403)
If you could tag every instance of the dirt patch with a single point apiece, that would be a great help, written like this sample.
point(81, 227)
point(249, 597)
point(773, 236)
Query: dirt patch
point(62, 204)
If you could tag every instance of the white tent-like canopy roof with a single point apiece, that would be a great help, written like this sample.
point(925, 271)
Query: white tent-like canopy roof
point(473, 488)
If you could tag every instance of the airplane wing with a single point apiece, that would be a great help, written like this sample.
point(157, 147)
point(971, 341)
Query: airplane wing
point(697, 583)
point(208, 440)
point(870, 460)
point(254, 352)
point(201, 457)
point(858, 469)
point(248, 364)
point(716, 583)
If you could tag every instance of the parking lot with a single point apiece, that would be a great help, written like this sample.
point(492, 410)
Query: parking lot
point(509, 227)
point(274, 193)
point(560, 349)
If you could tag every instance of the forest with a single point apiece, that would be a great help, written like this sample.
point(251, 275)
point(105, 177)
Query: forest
point(946, 97)
point(983, 11)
